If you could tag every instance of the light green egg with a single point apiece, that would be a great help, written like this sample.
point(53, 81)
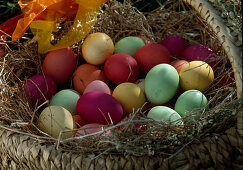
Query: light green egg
point(163, 113)
point(129, 45)
point(66, 98)
point(191, 100)
point(161, 83)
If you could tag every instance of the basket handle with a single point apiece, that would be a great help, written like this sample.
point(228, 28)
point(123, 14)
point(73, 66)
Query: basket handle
point(234, 53)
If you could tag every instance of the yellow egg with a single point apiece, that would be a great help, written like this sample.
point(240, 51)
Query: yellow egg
point(97, 47)
point(196, 75)
point(130, 96)
point(54, 119)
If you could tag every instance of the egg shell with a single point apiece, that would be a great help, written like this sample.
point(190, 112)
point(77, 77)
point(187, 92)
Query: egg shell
point(130, 95)
point(151, 55)
point(144, 39)
point(161, 84)
point(225, 80)
point(189, 101)
point(97, 85)
point(55, 119)
point(200, 53)
point(39, 88)
point(129, 45)
point(175, 44)
point(165, 114)
point(120, 68)
point(97, 47)
point(66, 98)
point(140, 83)
point(178, 64)
point(85, 74)
point(59, 64)
point(1, 51)
point(94, 107)
point(196, 75)
point(78, 120)
point(89, 128)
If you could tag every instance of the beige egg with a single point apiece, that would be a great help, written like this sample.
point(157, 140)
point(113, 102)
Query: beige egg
point(55, 119)
point(196, 75)
point(97, 47)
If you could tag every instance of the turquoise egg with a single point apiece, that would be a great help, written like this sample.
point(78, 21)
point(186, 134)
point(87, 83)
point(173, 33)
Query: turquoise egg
point(66, 98)
point(165, 114)
point(161, 83)
point(190, 101)
point(129, 45)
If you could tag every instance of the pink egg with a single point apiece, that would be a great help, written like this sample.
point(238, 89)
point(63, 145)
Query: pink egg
point(199, 53)
point(178, 64)
point(97, 85)
point(89, 128)
point(99, 107)
point(175, 44)
point(39, 88)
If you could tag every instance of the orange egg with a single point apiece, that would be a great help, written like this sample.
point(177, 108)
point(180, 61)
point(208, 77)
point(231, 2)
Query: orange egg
point(97, 47)
point(178, 64)
point(85, 74)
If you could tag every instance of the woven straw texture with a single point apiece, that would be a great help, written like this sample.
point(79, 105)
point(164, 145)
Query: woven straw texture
point(215, 151)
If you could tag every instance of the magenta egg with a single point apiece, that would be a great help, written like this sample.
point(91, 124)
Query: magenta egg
point(175, 44)
point(90, 128)
point(97, 85)
point(99, 107)
point(39, 88)
point(200, 53)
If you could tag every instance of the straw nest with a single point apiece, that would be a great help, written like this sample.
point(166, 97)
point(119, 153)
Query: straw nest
point(22, 60)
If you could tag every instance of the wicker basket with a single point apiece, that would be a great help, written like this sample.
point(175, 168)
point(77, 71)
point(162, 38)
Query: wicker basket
point(215, 151)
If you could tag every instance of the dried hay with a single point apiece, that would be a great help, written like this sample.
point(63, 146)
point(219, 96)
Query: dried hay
point(22, 60)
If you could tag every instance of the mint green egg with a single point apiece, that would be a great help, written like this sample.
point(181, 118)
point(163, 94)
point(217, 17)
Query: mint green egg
point(66, 98)
point(129, 45)
point(165, 114)
point(161, 83)
point(189, 101)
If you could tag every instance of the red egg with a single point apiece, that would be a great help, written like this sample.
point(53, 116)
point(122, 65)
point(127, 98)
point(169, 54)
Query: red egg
point(151, 55)
point(200, 53)
point(39, 88)
point(97, 85)
point(59, 64)
point(78, 120)
point(90, 128)
point(120, 68)
point(178, 64)
point(175, 44)
point(99, 107)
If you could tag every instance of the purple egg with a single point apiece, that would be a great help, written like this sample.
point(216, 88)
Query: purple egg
point(97, 85)
point(39, 88)
point(175, 44)
point(99, 107)
point(200, 53)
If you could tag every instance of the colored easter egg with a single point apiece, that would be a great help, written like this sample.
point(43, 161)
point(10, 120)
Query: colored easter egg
point(196, 75)
point(85, 74)
point(200, 53)
point(97, 47)
point(97, 85)
point(191, 100)
point(165, 114)
point(175, 44)
point(90, 128)
point(130, 95)
point(120, 68)
point(129, 45)
point(151, 55)
point(66, 98)
point(99, 107)
point(78, 120)
point(39, 88)
point(59, 64)
point(161, 84)
point(55, 119)
point(178, 64)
